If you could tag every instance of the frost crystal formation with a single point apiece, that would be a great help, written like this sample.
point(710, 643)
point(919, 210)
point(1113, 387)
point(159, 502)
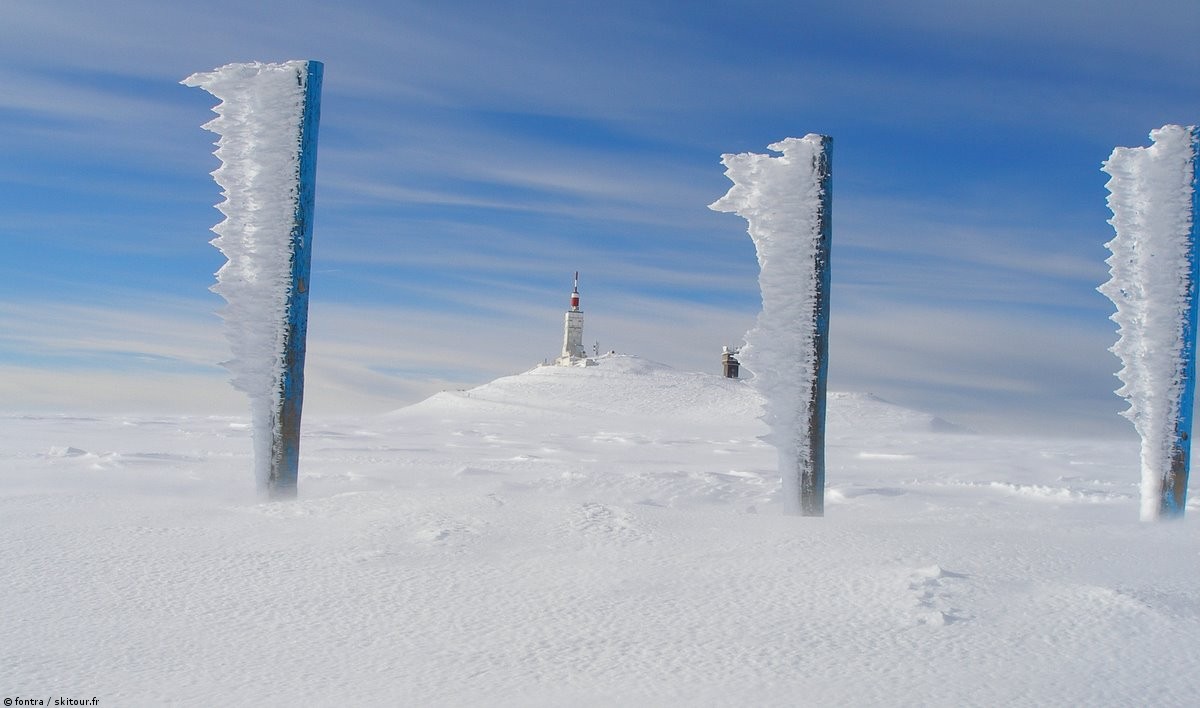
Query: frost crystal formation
point(780, 198)
point(258, 123)
point(1151, 197)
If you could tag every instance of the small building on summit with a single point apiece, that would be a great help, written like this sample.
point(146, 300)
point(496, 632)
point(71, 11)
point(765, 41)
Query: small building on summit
point(729, 362)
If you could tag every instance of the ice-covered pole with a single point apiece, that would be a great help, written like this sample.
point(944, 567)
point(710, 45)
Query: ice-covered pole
point(1153, 283)
point(267, 121)
point(787, 202)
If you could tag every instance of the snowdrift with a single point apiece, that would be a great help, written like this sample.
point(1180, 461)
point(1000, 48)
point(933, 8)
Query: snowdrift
point(609, 535)
point(624, 387)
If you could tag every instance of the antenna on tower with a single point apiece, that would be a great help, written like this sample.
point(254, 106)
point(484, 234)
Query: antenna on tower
point(573, 351)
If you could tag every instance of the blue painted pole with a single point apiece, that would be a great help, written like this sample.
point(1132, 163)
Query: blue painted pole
point(812, 470)
point(285, 441)
point(1175, 481)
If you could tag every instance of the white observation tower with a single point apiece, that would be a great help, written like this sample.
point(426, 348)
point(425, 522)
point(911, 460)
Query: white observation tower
point(573, 353)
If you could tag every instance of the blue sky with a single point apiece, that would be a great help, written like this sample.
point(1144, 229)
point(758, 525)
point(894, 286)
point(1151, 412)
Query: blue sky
point(473, 155)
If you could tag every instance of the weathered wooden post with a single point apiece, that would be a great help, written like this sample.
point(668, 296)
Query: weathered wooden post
point(267, 120)
point(787, 202)
point(1155, 271)
point(285, 441)
point(1175, 482)
point(812, 470)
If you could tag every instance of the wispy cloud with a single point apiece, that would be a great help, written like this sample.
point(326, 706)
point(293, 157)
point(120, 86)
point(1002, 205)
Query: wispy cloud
point(473, 155)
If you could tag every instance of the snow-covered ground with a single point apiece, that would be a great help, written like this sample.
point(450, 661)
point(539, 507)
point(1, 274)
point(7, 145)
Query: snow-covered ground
point(609, 535)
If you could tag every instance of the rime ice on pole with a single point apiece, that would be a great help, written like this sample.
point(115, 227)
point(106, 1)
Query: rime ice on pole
point(1153, 284)
point(784, 198)
point(259, 121)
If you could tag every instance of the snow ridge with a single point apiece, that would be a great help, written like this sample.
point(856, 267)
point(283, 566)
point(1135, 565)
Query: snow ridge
point(780, 197)
point(1151, 194)
point(259, 124)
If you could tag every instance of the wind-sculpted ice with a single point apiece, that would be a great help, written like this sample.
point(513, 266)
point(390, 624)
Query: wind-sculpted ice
point(259, 124)
point(781, 198)
point(1152, 279)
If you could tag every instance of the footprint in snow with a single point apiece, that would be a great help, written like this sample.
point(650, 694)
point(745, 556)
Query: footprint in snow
point(596, 520)
point(933, 589)
point(440, 529)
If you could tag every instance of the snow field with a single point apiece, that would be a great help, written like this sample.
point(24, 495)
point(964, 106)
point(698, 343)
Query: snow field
point(560, 537)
